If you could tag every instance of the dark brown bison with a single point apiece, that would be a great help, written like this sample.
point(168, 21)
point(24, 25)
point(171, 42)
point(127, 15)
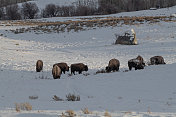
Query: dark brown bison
point(56, 72)
point(39, 66)
point(137, 64)
point(141, 59)
point(78, 67)
point(156, 60)
point(113, 65)
point(63, 66)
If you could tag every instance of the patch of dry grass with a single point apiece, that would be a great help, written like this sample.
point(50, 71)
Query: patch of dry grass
point(56, 98)
point(68, 113)
point(72, 97)
point(83, 24)
point(106, 114)
point(86, 111)
point(23, 106)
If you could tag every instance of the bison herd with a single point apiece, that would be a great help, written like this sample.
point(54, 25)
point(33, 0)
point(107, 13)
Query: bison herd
point(114, 64)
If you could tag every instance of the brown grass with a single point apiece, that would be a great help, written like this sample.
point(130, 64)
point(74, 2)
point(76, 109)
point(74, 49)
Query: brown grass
point(106, 114)
point(86, 111)
point(70, 113)
point(56, 98)
point(56, 27)
point(23, 106)
point(72, 97)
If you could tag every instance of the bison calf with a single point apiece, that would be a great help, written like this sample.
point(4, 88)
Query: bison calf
point(39, 66)
point(56, 72)
point(63, 66)
point(156, 60)
point(137, 64)
point(78, 67)
point(113, 65)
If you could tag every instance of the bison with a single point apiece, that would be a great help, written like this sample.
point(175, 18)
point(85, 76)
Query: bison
point(156, 60)
point(78, 67)
point(39, 66)
point(56, 72)
point(137, 64)
point(141, 59)
point(113, 65)
point(63, 66)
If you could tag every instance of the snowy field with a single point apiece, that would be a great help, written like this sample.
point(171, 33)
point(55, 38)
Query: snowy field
point(143, 93)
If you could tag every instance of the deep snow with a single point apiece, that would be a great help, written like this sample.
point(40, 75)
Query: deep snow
point(143, 93)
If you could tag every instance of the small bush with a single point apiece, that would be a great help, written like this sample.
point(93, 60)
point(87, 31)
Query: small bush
point(29, 10)
point(68, 113)
point(86, 111)
point(72, 97)
point(106, 114)
point(33, 97)
point(23, 106)
point(1, 13)
point(56, 98)
point(43, 77)
point(101, 71)
point(12, 12)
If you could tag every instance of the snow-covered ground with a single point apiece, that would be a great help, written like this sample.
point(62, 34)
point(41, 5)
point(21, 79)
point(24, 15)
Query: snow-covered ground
point(143, 93)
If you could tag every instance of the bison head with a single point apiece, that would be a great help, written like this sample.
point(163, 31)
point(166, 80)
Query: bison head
point(108, 69)
point(86, 68)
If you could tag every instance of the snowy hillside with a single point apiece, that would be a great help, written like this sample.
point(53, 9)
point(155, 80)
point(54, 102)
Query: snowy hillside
point(142, 93)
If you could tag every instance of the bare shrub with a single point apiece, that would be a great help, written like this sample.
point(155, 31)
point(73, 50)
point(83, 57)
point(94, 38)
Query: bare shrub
point(29, 10)
point(86, 111)
point(1, 13)
point(42, 77)
point(101, 71)
point(56, 98)
point(50, 10)
point(106, 114)
point(23, 106)
point(33, 97)
point(70, 113)
point(12, 12)
point(86, 74)
point(72, 97)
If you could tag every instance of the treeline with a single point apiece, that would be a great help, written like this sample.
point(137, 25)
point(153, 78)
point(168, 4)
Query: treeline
point(14, 12)
point(4, 3)
point(80, 8)
point(115, 6)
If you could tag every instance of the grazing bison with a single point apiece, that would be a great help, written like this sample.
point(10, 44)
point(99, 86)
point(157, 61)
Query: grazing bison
point(63, 66)
point(39, 66)
point(78, 67)
point(113, 65)
point(156, 60)
point(141, 59)
point(137, 64)
point(56, 72)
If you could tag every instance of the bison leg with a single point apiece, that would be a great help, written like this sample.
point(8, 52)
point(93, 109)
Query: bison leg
point(80, 72)
point(64, 71)
point(73, 72)
point(117, 69)
point(130, 67)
